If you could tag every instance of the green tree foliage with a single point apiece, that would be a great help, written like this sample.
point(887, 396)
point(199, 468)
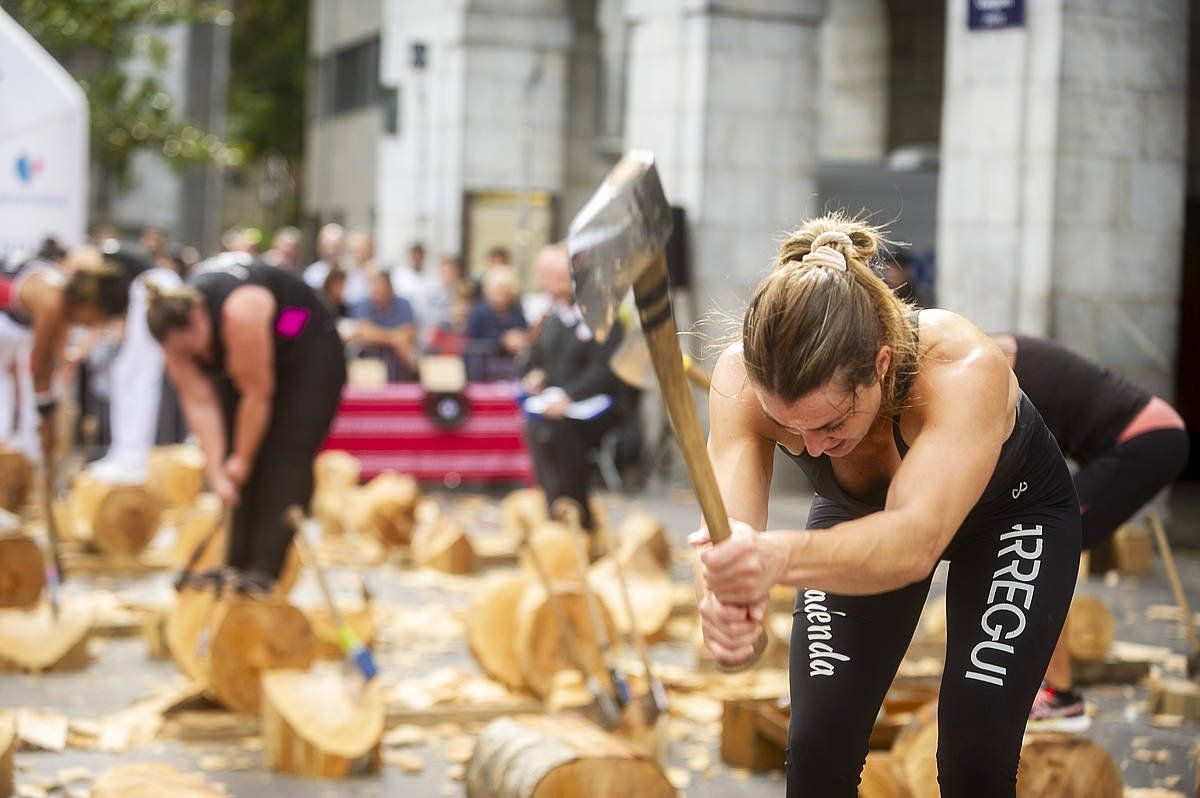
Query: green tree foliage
point(267, 77)
point(112, 48)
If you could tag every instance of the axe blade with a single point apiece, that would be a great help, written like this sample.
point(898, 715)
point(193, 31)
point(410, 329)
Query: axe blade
point(612, 239)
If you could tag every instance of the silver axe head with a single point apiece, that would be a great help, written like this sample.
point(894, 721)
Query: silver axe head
point(611, 241)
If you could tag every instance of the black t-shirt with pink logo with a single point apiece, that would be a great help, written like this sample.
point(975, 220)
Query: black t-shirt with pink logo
point(300, 315)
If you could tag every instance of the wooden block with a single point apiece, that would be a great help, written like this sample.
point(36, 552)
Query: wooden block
point(16, 479)
point(152, 780)
point(385, 508)
point(8, 747)
point(176, 474)
point(22, 571)
point(1110, 671)
point(320, 724)
point(1133, 547)
point(1090, 629)
point(115, 519)
point(742, 743)
point(444, 545)
point(1179, 697)
point(34, 641)
point(560, 755)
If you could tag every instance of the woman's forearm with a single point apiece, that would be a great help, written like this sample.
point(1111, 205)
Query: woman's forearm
point(877, 553)
point(253, 416)
point(206, 423)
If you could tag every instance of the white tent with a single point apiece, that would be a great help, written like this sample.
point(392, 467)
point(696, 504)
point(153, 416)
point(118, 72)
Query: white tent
point(43, 146)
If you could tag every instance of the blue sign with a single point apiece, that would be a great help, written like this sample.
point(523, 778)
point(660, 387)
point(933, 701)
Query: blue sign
point(992, 14)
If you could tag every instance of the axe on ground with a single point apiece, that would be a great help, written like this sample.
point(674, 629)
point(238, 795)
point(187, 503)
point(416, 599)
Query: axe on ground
point(616, 243)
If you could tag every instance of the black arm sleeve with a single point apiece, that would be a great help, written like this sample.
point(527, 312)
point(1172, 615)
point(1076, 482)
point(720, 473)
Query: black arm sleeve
point(596, 377)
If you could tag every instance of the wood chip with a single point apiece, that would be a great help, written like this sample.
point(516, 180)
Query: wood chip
point(404, 761)
point(406, 734)
point(680, 779)
point(42, 729)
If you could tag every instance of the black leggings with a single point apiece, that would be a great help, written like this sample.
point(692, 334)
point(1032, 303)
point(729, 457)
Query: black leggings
point(560, 449)
point(1116, 484)
point(306, 400)
point(1012, 574)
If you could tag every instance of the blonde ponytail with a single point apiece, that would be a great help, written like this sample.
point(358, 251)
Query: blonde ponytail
point(169, 309)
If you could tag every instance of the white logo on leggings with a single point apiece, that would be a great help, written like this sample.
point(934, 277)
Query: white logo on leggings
point(819, 617)
point(1013, 588)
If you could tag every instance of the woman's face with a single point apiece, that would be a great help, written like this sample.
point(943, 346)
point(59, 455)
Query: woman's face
point(831, 420)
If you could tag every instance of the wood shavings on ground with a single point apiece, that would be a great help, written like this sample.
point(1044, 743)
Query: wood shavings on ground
point(404, 761)
point(448, 686)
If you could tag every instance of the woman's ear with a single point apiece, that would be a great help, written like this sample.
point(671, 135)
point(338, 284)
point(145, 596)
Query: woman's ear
point(882, 360)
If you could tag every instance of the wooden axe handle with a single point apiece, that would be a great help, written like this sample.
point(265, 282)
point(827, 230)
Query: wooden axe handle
point(651, 292)
point(1164, 548)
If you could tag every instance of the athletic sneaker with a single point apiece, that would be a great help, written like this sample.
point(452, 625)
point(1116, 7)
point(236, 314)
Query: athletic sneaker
point(1058, 710)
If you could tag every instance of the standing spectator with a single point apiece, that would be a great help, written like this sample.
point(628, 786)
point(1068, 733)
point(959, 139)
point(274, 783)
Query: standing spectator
point(329, 254)
point(566, 364)
point(385, 329)
point(498, 256)
point(450, 337)
point(285, 249)
point(411, 280)
point(154, 244)
point(333, 291)
point(439, 298)
point(496, 327)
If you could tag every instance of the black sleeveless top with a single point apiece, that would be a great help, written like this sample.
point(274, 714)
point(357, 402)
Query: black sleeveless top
point(1085, 405)
point(1013, 457)
point(300, 315)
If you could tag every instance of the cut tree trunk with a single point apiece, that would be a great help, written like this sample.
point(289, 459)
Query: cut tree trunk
point(559, 756)
point(444, 545)
point(194, 526)
point(251, 636)
point(317, 724)
point(385, 508)
point(523, 510)
point(557, 548)
point(152, 780)
point(1133, 549)
point(1090, 629)
point(32, 640)
point(1052, 765)
point(195, 532)
point(336, 474)
point(8, 747)
point(176, 475)
point(879, 778)
point(650, 592)
point(538, 640)
point(116, 519)
point(643, 544)
point(16, 479)
point(22, 571)
point(491, 628)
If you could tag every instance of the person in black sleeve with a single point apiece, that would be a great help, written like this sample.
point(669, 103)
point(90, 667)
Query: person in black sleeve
point(255, 355)
point(1129, 445)
point(920, 447)
point(566, 357)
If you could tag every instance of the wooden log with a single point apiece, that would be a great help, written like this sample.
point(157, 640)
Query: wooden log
point(176, 475)
point(385, 507)
point(117, 520)
point(1110, 671)
point(1052, 765)
point(557, 547)
point(360, 620)
point(491, 628)
point(1090, 629)
point(193, 526)
point(152, 780)
point(523, 510)
point(32, 640)
point(558, 757)
point(650, 592)
point(1133, 549)
point(251, 636)
point(316, 724)
point(539, 638)
point(22, 571)
point(16, 479)
point(879, 778)
point(1180, 697)
point(643, 544)
point(443, 545)
point(743, 745)
point(8, 747)
point(195, 531)
point(336, 474)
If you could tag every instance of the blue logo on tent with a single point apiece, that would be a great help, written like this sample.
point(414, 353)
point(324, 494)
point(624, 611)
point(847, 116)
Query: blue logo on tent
point(28, 168)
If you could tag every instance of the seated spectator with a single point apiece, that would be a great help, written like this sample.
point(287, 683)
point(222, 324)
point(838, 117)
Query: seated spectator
point(384, 328)
point(360, 266)
point(567, 367)
point(333, 291)
point(440, 296)
point(496, 328)
point(450, 337)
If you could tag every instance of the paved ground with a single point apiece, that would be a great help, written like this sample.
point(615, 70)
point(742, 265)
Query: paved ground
point(122, 673)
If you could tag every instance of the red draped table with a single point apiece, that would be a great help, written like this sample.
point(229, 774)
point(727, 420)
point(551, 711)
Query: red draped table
point(387, 429)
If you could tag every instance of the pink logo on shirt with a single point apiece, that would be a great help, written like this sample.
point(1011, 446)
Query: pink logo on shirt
point(291, 321)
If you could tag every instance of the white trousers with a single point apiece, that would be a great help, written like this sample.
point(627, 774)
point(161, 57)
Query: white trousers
point(136, 377)
point(18, 410)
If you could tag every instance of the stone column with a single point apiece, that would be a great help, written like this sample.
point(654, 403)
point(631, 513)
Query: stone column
point(853, 97)
point(725, 93)
point(1063, 170)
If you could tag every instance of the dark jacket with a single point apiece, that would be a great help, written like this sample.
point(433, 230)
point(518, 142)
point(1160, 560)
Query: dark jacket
point(577, 364)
